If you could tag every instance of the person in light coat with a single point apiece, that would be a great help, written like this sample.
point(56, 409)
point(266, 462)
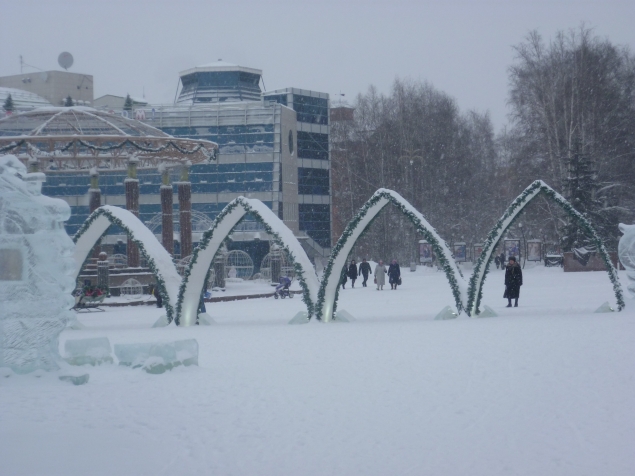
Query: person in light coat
point(380, 275)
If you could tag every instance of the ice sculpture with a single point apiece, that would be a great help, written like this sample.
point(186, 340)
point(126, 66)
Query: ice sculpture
point(36, 267)
point(626, 253)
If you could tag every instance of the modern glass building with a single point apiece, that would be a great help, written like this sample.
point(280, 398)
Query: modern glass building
point(273, 146)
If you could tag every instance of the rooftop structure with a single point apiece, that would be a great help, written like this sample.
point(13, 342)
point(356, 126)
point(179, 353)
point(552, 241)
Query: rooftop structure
point(22, 100)
point(219, 82)
point(111, 102)
point(54, 86)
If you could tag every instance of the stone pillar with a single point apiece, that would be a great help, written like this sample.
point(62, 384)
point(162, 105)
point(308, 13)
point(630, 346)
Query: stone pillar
point(94, 202)
point(219, 268)
point(102, 271)
point(132, 205)
point(94, 192)
point(167, 224)
point(184, 187)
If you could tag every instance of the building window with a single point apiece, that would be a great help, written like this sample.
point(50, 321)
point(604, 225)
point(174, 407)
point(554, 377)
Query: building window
point(310, 109)
point(316, 221)
point(312, 145)
point(313, 181)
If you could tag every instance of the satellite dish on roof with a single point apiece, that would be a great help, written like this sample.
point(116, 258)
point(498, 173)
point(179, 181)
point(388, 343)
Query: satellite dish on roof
point(65, 60)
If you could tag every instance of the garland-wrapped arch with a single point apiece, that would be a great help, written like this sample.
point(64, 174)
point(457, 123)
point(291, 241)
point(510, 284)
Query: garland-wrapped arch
point(329, 289)
point(475, 289)
point(196, 274)
point(159, 260)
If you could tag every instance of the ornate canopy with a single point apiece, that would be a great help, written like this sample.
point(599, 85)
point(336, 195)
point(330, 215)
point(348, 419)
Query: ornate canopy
point(63, 138)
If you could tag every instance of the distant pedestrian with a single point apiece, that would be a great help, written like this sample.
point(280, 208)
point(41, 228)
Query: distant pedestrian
point(154, 290)
point(344, 277)
point(497, 261)
point(364, 270)
point(513, 281)
point(380, 275)
point(394, 274)
point(501, 260)
point(352, 272)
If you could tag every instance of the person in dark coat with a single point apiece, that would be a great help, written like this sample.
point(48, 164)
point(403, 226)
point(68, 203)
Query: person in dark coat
point(513, 281)
point(352, 272)
point(344, 277)
point(501, 260)
point(497, 261)
point(394, 274)
point(364, 270)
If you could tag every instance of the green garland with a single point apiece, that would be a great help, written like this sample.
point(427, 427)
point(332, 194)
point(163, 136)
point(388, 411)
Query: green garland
point(475, 290)
point(207, 237)
point(151, 264)
point(199, 147)
point(351, 227)
point(11, 146)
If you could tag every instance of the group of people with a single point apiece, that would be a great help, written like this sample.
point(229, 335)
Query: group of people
point(513, 276)
point(499, 260)
point(353, 272)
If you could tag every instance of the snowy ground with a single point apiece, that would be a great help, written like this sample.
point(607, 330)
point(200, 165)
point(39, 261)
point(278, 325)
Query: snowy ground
point(544, 389)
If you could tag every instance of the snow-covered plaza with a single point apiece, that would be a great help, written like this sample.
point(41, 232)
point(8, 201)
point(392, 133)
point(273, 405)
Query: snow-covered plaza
point(544, 389)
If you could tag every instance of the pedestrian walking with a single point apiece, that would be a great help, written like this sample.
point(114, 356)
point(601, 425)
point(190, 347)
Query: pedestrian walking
point(380, 275)
point(497, 261)
point(155, 292)
point(352, 273)
point(513, 281)
point(344, 277)
point(501, 259)
point(394, 274)
point(364, 270)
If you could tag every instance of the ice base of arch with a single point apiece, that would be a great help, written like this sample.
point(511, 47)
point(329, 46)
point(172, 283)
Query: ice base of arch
point(445, 314)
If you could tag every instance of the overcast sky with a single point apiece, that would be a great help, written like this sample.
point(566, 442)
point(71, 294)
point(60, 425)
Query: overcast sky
point(462, 47)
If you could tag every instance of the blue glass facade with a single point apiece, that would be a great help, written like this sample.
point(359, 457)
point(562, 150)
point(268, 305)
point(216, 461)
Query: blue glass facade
point(316, 221)
point(313, 145)
point(311, 109)
point(313, 181)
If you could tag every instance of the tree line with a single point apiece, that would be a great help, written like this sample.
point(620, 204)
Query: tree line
point(571, 124)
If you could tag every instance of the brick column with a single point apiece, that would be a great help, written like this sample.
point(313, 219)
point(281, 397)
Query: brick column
point(132, 204)
point(94, 202)
point(167, 224)
point(184, 188)
point(103, 280)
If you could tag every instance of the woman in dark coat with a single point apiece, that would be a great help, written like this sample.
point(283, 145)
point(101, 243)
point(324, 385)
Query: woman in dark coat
point(513, 281)
point(352, 272)
point(394, 274)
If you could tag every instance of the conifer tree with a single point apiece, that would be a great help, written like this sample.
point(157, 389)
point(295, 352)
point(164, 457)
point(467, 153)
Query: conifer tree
point(68, 102)
point(585, 193)
point(8, 104)
point(127, 106)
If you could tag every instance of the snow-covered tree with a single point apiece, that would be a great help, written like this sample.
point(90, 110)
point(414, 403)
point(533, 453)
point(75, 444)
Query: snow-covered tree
point(8, 104)
point(68, 102)
point(587, 196)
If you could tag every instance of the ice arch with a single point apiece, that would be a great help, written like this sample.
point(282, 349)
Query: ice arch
point(196, 274)
point(329, 289)
point(475, 289)
point(159, 260)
